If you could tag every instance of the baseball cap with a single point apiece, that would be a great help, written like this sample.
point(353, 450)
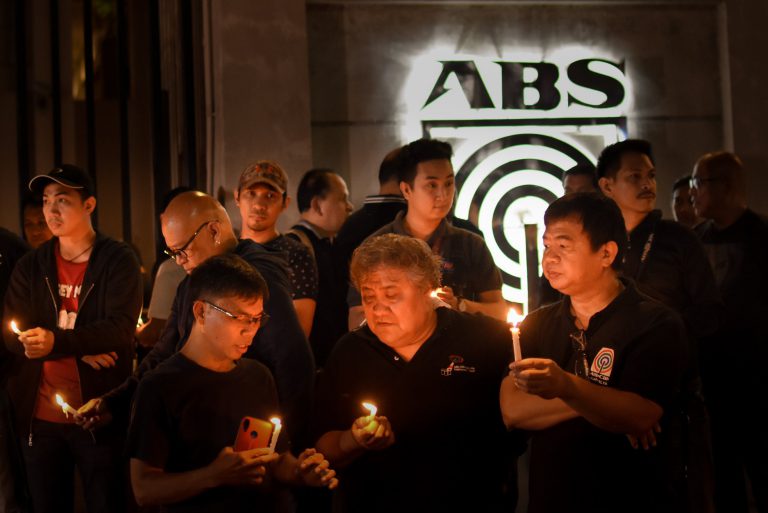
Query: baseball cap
point(66, 175)
point(264, 171)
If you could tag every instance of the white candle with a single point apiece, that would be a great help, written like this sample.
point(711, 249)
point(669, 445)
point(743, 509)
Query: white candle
point(278, 426)
point(515, 319)
point(372, 410)
point(15, 328)
point(66, 408)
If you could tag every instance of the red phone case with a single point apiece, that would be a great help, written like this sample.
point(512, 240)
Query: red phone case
point(253, 433)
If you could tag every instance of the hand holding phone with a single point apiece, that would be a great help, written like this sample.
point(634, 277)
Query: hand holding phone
point(253, 433)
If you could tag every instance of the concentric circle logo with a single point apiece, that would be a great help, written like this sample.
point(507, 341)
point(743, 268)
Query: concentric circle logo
point(507, 183)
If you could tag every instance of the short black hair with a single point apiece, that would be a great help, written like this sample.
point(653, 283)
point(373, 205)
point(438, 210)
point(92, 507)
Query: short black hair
point(226, 275)
point(683, 182)
point(316, 183)
point(420, 151)
point(600, 219)
point(583, 170)
point(609, 162)
point(391, 167)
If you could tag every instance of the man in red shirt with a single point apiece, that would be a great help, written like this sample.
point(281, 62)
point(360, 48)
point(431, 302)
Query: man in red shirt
point(76, 300)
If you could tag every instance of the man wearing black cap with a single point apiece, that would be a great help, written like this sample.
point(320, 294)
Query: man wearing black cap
point(75, 301)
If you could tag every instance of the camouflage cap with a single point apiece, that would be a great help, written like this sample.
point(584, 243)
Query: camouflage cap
point(264, 171)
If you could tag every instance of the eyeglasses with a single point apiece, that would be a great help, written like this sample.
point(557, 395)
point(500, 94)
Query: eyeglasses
point(181, 252)
point(251, 320)
point(581, 365)
point(696, 182)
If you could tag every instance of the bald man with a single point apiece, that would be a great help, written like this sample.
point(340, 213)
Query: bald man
point(736, 241)
point(196, 227)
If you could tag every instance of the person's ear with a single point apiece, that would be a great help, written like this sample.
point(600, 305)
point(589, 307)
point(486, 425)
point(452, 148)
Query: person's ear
point(286, 202)
point(405, 189)
point(315, 205)
point(198, 310)
point(237, 197)
point(608, 253)
point(215, 229)
point(90, 204)
point(606, 185)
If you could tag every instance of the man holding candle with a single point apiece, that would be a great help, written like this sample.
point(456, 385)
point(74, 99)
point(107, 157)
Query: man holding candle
point(75, 300)
point(196, 227)
point(603, 363)
point(436, 441)
point(471, 281)
point(188, 411)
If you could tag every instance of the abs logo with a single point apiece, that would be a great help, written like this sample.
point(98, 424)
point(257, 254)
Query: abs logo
point(602, 366)
point(516, 125)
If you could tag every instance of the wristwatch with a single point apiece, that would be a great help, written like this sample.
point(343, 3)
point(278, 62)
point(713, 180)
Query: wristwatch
point(461, 305)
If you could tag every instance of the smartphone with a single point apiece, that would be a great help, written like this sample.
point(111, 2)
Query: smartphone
point(253, 433)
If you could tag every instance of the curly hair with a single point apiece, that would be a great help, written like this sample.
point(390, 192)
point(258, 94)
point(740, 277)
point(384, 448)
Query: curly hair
point(396, 251)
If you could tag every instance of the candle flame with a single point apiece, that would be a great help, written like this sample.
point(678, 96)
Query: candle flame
point(433, 293)
point(60, 400)
point(371, 408)
point(276, 421)
point(15, 328)
point(514, 318)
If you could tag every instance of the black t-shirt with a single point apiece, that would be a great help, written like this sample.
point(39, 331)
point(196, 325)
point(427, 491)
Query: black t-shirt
point(637, 345)
point(444, 409)
point(185, 414)
point(301, 265)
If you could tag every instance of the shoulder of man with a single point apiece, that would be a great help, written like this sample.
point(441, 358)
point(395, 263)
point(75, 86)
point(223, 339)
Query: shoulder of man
point(271, 264)
point(387, 228)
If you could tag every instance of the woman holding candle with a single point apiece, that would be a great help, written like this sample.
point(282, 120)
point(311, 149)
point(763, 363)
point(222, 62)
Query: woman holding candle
point(436, 437)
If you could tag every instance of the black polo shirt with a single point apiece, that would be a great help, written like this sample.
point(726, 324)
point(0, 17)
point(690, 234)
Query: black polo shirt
point(444, 409)
point(637, 345)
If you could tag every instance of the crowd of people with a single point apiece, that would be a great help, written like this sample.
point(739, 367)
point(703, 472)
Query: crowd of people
point(361, 361)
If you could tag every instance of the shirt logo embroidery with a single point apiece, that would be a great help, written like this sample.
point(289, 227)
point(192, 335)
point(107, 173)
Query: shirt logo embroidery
point(602, 366)
point(456, 366)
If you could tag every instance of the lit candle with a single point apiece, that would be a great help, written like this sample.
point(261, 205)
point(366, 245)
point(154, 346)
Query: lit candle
point(15, 328)
point(515, 319)
point(278, 426)
point(66, 408)
point(372, 410)
point(433, 293)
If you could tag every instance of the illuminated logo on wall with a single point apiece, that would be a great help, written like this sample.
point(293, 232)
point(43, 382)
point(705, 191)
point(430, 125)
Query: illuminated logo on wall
point(516, 125)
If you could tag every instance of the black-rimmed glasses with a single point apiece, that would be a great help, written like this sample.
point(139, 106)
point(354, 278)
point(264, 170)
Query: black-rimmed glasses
point(581, 365)
point(181, 252)
point(252, 320)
